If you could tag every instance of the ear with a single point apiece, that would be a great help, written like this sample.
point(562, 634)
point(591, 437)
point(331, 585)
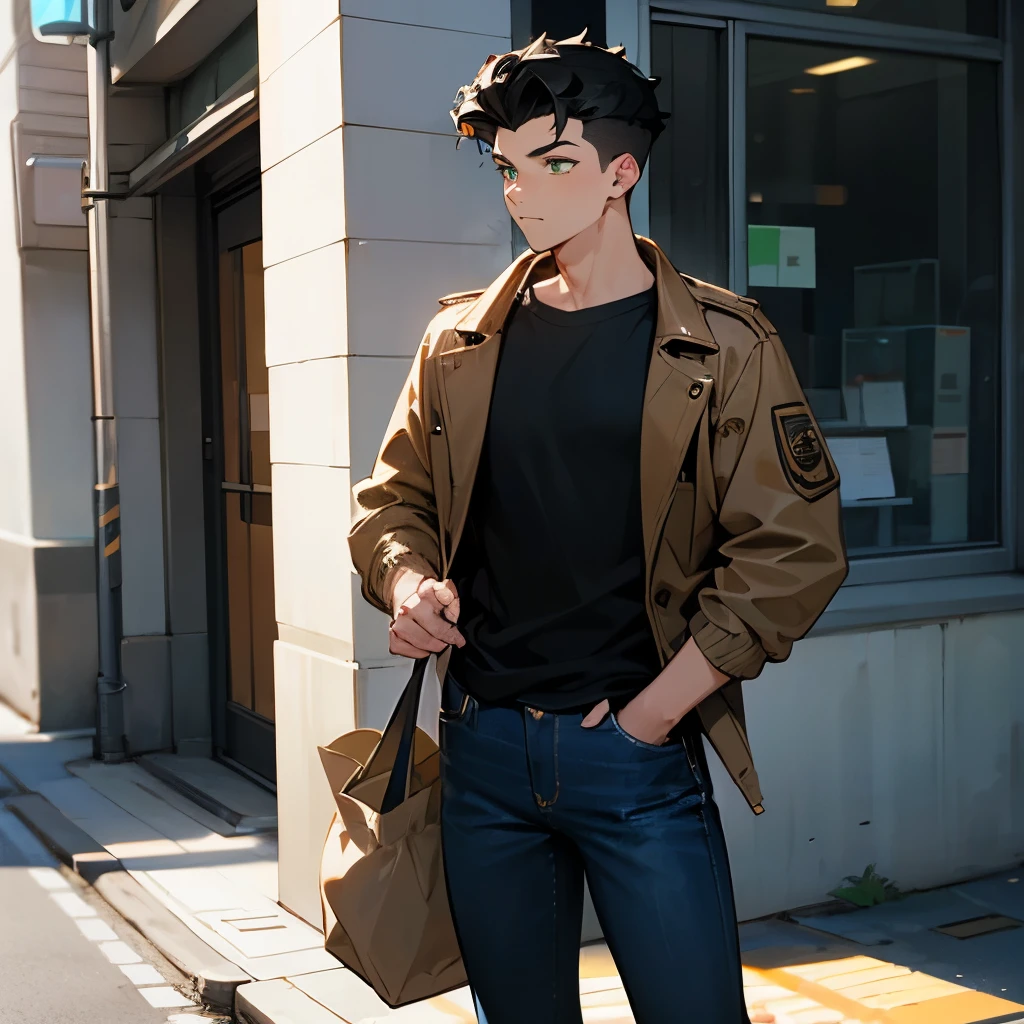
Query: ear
point(625, 173)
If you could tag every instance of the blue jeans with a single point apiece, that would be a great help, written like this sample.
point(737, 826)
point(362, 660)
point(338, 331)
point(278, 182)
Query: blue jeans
point(532, 802)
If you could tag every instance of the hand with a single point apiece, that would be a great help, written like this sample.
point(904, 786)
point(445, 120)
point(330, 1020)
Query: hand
point(425, 614)
point(642, 718)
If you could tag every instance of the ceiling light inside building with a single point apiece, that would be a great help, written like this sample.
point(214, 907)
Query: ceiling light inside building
point(847, 64)
point(840, 3)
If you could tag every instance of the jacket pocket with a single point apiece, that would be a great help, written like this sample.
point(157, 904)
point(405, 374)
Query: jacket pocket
point(678, 533)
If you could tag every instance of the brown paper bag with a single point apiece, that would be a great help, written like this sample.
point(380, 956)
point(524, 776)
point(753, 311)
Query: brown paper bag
point(385, 905)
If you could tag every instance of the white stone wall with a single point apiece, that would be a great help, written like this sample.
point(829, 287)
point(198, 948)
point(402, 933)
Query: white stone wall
point(48, 640)
point(46, 454)
point(900, 747)
point(369, 214)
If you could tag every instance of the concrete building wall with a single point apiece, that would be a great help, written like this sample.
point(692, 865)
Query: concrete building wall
point(47, 626)
point(137, 126)
point(47, 573)
point(369, 215)
point(901, 747)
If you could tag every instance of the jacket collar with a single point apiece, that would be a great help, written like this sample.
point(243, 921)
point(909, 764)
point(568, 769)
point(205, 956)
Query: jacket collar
point(679, 315)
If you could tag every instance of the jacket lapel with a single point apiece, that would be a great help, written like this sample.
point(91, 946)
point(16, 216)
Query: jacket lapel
point(678, 391)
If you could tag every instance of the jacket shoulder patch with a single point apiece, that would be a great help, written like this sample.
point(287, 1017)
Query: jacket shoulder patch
point(455, 298)
point(805, 458)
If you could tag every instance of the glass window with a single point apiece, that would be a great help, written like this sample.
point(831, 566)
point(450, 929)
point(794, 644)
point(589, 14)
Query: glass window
point(873, 211)
point(977, 17)
point(689, 169)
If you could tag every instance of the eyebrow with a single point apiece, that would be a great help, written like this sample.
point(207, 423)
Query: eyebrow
point(550, 146)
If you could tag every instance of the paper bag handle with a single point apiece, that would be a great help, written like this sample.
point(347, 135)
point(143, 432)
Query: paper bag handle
point(396, 742)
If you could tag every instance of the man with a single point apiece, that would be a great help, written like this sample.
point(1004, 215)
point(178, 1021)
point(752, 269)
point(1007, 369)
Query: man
point(602, 501)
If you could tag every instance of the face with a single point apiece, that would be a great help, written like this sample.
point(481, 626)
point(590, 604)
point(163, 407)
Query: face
point(554, 189)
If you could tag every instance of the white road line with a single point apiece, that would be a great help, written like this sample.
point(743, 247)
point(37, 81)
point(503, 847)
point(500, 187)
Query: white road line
point(142, 974)
point(72, 904)
point(49, 878)
point(96, 930)
point(120, 953)
point(164, 998)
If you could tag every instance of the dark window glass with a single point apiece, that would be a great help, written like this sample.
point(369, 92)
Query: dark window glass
point(977, 17)
point(874, 246)
point(688, 172)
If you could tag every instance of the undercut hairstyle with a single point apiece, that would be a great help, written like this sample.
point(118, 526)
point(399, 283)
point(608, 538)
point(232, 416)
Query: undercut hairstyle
point(569, 79)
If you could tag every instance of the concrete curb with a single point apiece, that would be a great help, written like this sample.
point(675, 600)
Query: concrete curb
point(277, 1002)
point(215, 977)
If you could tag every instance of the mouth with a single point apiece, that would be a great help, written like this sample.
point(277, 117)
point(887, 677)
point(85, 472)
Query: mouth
point(531, 218)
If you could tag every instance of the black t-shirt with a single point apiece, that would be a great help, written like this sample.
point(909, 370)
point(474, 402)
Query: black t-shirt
point(550, 568)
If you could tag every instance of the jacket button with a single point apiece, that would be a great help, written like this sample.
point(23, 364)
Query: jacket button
point(696, 389)
point(661, 598)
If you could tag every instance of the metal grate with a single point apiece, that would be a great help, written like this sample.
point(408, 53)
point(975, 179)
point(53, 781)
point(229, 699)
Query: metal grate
point(975, 926)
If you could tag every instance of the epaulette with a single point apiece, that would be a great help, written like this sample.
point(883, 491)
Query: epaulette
point(746, 309)
point(456, 297)
point(715, 295)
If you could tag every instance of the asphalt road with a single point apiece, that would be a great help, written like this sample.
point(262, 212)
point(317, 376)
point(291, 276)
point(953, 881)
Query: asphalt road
point(65, 956)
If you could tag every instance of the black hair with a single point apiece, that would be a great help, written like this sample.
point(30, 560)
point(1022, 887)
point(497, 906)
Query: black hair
point(569, 79)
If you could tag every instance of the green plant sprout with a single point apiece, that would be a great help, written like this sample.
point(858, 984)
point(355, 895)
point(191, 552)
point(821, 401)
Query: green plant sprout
point(868, 889)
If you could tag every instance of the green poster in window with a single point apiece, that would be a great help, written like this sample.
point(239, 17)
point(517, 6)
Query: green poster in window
point(763, 255)
point(780, 256)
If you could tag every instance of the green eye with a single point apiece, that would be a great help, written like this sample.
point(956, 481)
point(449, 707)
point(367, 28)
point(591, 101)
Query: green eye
point(508, 173)
point(561, 166)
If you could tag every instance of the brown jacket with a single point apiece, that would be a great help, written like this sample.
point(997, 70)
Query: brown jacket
point(744, 550)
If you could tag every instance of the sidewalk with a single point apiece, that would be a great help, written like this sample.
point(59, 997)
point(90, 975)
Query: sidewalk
point(204, 890)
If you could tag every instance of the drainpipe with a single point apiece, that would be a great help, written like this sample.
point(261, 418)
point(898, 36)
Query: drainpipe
point(110, 743)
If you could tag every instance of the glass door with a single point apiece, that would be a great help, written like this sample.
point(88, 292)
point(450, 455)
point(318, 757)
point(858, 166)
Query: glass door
point(246, 490)
point(239, 496)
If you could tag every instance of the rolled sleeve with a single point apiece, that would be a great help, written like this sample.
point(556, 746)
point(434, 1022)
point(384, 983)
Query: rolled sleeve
point(396, 520)
point(782, 557)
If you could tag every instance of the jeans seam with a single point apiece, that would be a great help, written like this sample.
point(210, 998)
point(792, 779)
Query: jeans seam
point(715, 872)
point(558, 783)
point(554, 929)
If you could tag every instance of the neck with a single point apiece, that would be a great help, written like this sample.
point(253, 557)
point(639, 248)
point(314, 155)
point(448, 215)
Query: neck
point(601, 264)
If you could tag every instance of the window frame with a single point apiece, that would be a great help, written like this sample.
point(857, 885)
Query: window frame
point(743, 21)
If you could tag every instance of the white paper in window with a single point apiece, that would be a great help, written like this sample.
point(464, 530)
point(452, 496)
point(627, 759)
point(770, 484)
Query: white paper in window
point(864, 467)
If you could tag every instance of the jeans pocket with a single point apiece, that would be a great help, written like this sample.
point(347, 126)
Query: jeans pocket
point(669, 747)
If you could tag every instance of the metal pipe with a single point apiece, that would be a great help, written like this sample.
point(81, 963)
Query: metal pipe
point(110, 743)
